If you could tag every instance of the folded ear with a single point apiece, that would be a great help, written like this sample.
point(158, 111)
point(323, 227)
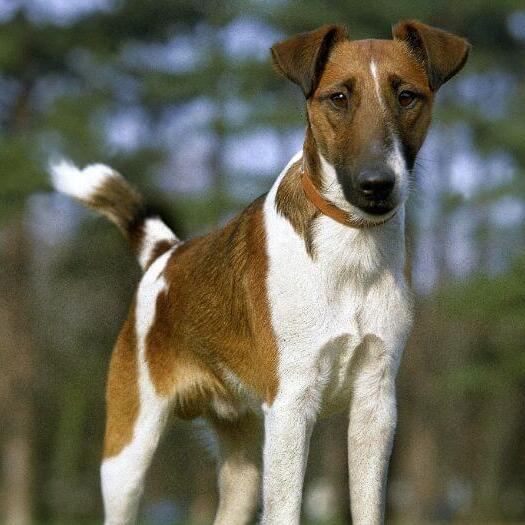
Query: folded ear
point(302, 58)
point(442, 53)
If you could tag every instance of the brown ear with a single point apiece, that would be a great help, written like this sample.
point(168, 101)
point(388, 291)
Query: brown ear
point(302, 57)
point(442, 53)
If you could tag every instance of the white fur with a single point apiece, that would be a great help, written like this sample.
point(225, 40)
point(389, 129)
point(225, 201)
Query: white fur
point(239, 472)
point(397, 164)
point(350, 296)
point(123, 475)
point(77, 183)
point(373, 71)
point(154, 231)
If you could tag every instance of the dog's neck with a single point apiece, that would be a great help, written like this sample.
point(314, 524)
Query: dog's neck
point(328, 208)
point(322, 189)
point(322, 233)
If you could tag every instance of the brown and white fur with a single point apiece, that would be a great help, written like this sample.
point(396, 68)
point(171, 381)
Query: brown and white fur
point(284, 315)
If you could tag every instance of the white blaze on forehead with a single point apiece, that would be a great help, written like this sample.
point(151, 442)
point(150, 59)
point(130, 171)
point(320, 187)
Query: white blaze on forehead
point(373, 71)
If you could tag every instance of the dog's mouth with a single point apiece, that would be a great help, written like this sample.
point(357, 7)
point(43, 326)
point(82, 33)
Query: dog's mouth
point(373, 205)
point(377, 207)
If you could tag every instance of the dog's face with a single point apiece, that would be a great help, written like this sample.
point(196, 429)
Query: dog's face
point(369, 105)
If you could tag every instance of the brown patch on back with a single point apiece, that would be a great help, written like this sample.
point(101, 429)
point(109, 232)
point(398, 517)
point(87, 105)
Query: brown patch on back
point(215, 316)
point(122, 394)
point(291, 202)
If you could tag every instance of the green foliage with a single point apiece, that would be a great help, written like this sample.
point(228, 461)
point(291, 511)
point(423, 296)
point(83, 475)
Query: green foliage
point(489, 312)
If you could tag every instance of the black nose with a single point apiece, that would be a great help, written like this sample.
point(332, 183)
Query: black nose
point(376, 184)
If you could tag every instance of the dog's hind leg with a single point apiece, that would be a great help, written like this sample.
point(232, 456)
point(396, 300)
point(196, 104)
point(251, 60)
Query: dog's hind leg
point(136, 413)
point(240, 458)
point(136, 416)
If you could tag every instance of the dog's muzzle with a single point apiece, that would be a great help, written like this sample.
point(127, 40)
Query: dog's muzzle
point(371, 190)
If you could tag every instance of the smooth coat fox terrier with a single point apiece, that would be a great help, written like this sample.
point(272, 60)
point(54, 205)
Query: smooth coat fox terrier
point(299, 306)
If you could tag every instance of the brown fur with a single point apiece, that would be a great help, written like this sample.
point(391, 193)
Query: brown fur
point(215, 315)
point(302, 57)
point(122, 204)
point(292, 203)
point(159, 248)
point(441, 53)
point(348, 140)
point(322, 62)
point(325, 61)
point(122, 394)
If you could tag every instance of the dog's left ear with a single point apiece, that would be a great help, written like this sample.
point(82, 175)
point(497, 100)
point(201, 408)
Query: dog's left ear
point(442, 53)
point(302, 58)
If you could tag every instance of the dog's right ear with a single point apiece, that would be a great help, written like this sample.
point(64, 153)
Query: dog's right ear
point(302, 58)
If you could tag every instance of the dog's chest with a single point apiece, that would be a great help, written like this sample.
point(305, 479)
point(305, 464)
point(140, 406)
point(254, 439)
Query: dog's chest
point(324, 307)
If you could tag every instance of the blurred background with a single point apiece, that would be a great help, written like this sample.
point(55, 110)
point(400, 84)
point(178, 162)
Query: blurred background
point(180, 96)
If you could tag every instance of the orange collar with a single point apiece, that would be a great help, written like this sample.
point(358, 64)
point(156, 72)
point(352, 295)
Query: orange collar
point(331, 210)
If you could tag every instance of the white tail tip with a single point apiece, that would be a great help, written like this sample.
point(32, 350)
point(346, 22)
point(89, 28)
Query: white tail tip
point(80, 184)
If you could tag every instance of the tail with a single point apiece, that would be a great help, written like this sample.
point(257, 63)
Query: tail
point(107, 192)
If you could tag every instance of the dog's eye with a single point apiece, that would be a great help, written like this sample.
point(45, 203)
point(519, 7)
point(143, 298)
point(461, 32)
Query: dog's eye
point(406, 98)
point(338, 100)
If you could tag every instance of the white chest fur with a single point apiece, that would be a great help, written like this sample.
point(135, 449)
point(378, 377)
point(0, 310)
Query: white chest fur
point(326, 307)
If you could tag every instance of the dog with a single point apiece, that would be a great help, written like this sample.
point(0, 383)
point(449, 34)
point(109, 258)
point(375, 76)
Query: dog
point(299, 307)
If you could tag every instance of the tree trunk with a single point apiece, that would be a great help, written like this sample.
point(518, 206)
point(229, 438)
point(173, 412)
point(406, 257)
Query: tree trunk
point(17, 470)
point(18, 378)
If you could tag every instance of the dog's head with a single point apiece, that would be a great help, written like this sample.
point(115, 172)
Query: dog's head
point(369, 105)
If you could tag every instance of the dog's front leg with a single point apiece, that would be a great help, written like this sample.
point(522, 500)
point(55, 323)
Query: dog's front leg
point(288, 427)
point(371, 431)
